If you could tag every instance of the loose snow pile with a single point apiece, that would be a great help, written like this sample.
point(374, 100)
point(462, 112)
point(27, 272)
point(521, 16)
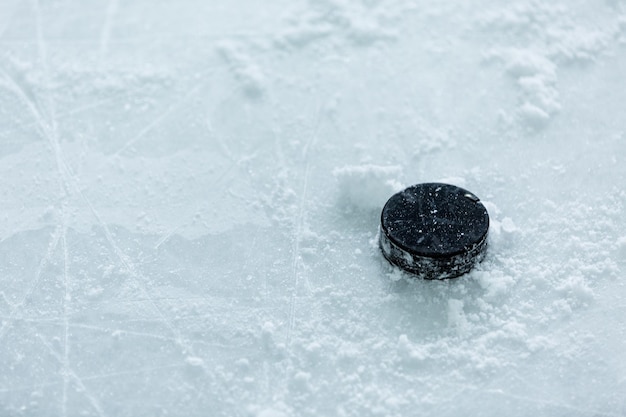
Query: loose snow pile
point(367, 186)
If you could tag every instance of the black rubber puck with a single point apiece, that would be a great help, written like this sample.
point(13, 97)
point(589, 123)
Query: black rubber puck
point(434, 230)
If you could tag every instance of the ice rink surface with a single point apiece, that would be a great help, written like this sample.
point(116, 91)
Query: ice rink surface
point(191, 193)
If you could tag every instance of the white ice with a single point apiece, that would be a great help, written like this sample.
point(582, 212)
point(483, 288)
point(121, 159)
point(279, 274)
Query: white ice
point(190, 193)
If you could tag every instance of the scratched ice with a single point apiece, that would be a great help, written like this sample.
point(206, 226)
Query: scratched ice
point(190, 197)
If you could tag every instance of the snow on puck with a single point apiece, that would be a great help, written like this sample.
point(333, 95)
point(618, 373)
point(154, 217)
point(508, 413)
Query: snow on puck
point(434, 230)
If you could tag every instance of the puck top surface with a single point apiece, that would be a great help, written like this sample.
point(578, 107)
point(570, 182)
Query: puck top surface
point(435, 220)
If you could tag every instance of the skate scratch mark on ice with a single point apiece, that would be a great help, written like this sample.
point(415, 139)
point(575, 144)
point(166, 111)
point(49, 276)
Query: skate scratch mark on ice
point(72, 183)
point(93, 377)
point(30, 388)
point(223, 103)
point(9, 17)
point(138, 281)
point(583, 411)
point(53, 320)
point(145, 39)
point(138, 278)
point(461, 390)
point(66, 308)
point(166, 237)
point(124, 332)
point(223, 174)
point(13, 85)
point(28, 101)
point(236, 163)
point(111, 331)
point(210, 302)
point(220, 141)
point(3, 296)
point(62, 115)
point(276, 132)
point(79, 382)
point(295, 264)
point(159, 118)
point(105, 34)
point(33, 285)
point(133, 372)
point(51, 132)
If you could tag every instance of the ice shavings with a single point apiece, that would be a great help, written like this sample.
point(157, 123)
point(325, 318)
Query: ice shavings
point(536, 79)
point(80, 80)
point(247, 72)
point(456, 316)
point(551, 39)
point(367, 187)
point(360, 24)
point(552, 29)
point(621, 248)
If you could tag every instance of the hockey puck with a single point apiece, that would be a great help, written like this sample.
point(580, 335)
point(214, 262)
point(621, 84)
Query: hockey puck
point(434, 230)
